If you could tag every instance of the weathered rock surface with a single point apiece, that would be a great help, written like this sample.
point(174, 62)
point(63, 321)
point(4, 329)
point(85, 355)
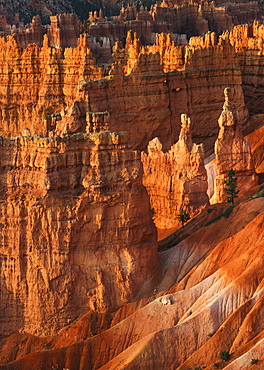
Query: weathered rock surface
point(211, 301)
point(256, 140)
point(248, 42)
point(39, 81)
point(176, 179)
point(146, 91)
point(232, 151)
point(76, 229)
point(155, 84)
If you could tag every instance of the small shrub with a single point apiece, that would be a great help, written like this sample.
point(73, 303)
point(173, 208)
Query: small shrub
point(183, 216)
point(210, 335)
point(225, 355)
point(215, 365)
point(209, 210)
point(189, 313)
point(254, 361)
point(231, 187)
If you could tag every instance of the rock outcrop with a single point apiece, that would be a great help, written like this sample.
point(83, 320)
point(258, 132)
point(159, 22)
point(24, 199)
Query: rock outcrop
point(76, 229)
point(151, 84)
point(232, 151)
point(210, 300)
point(175, 180)
point(248, 42)
point(154, 84)
point(39, 81)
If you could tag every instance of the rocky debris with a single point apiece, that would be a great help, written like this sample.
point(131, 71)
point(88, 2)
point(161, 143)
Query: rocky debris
point(176, 179)
point(232, 151)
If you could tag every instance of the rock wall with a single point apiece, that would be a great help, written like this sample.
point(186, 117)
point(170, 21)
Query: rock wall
point(38, 81)
point(76, 229)
point(155, 84)
point(175, 180)
point(232, 151)
point(64, 31)
point(145, 92)
point(248, 43)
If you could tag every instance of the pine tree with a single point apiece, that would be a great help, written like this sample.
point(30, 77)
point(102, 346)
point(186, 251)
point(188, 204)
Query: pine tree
point(231, 186)
point(183, 216)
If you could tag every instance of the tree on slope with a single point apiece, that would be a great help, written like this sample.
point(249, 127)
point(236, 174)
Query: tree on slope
point(183, 216)
point(231, 187)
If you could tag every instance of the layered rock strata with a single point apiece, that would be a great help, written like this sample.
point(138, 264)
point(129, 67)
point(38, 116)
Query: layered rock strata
point(248, 43)
point(151, 84)
point(39, 81)
point(175, 180)
point(232, 151)
point(211, 300)
point(76, 229)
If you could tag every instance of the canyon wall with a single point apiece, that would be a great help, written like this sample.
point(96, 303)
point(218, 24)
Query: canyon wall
point(146, 91)
point(38, 81)
point(248, 43)
point(175, 180)
point(156, 84)
point(76, 229)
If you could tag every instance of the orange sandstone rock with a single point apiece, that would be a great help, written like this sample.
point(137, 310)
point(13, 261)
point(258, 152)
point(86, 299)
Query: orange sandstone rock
point(232, 151)
point(215, 304)
point(176, 179)
point(76, 229)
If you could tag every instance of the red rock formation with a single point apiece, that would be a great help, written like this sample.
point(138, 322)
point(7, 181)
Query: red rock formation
point(256, 140)
point(151, 84)
point(64, 31)
point(176, 179)
point(232, 151)
point(212, 301)
point(77, 231)
point(32, 35)
point(37, 82)
point(248, 42)
point(198, 18)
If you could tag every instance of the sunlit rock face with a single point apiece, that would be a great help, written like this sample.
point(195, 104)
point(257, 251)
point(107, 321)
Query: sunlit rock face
point(175, 179)
point(232, 151)
point(76, 229)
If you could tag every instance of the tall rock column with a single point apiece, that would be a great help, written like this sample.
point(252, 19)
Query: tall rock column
point(232, 151)
point(176, 179)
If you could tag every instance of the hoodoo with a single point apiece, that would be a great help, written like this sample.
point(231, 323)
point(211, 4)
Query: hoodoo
point(176, 179)
point(232, 151)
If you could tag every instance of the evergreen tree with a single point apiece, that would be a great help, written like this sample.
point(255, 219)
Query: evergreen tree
point(231, 186)
point(183, 216)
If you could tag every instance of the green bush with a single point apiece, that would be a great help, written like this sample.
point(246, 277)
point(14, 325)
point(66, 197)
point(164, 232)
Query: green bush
point(254, 361)
point(225, 355)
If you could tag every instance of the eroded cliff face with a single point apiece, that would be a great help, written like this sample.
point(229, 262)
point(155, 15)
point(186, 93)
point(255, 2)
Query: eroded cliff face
point(232, 151)
point(248, 42)
point(145, 92)
point(38, 81)
point(176, 179)
point(76, 229)
point(155, 84)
